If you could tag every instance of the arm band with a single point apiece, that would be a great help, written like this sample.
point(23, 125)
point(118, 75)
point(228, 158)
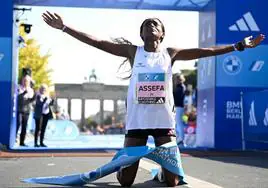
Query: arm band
point(239, 46)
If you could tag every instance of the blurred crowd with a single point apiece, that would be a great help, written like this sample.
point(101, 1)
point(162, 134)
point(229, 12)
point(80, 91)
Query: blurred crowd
point(185, 100)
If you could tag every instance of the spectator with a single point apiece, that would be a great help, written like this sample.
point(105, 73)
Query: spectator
point(26, 98)
point(42, 113)
point(195, 97)
point(179, 94)
point(188, 102)
point(28, 71)
point(61, 114)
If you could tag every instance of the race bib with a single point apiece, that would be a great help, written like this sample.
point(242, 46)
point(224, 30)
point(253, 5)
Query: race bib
point(151, 88)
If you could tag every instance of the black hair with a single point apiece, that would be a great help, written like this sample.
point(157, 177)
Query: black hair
point(162, 25)
point(122, 40)
point(26, 71)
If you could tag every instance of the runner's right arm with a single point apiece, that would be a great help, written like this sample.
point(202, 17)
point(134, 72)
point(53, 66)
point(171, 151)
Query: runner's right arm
point(123, 50)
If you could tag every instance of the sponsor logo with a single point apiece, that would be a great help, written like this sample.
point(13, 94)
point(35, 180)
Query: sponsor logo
point(140, 65)
point(265, 120)
point(245, 23)
point(256, 66)
point(206, 31)
point(161, 100)
point(232, 65)
point(252, 117)
point(233, 110)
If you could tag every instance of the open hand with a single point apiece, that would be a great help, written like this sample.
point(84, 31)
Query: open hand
point(53, 20)
point(251, 42)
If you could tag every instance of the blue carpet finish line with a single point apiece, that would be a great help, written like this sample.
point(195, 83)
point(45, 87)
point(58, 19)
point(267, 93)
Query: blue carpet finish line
point(167, 156)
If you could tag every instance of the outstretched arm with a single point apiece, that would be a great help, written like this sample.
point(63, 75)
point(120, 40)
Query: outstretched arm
point(124, 50)
point(195, 53)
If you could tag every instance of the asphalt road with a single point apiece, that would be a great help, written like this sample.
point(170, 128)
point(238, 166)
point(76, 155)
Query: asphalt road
point(202, 172)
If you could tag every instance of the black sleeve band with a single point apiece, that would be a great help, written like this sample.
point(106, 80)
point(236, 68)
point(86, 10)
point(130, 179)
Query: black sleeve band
point(239, 46)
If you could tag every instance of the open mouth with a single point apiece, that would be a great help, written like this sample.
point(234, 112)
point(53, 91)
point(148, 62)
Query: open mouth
point(151, 29)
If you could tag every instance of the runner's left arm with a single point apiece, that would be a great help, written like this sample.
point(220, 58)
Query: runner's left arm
point(195, 53)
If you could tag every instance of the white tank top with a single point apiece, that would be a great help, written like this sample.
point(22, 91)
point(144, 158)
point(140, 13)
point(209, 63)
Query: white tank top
point(150, 103)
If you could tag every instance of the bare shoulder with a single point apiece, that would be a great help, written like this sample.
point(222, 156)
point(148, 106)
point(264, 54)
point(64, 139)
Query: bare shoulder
point(173, 51)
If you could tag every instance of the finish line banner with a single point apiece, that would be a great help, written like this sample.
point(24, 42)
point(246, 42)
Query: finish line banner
point(167, 155)
point(255, 116)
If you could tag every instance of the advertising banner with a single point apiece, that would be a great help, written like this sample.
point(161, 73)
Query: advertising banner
point(255, 116)
point(237, 72)
point(206, 73)
point(207, 28)
point(129, 4)
point(228, 116)
point(238, 19)
point(5, 59)
point(205, 133)
point(243, 69)
point(6, 20)
point(206, 66)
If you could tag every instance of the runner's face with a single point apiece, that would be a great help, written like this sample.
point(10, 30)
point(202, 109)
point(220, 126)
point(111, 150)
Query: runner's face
point(152, 29)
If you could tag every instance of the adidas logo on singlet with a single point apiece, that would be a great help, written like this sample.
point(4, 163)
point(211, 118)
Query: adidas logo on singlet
point(160, 101)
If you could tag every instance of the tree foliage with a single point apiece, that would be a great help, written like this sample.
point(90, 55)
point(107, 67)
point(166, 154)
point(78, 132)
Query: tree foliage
point(91, 123)
point(108, 120)
point(30, 57)
point(191, 78)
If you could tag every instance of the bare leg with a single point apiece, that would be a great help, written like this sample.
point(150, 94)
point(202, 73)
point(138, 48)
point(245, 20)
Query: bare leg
point(126, 176)
point(172, 180)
